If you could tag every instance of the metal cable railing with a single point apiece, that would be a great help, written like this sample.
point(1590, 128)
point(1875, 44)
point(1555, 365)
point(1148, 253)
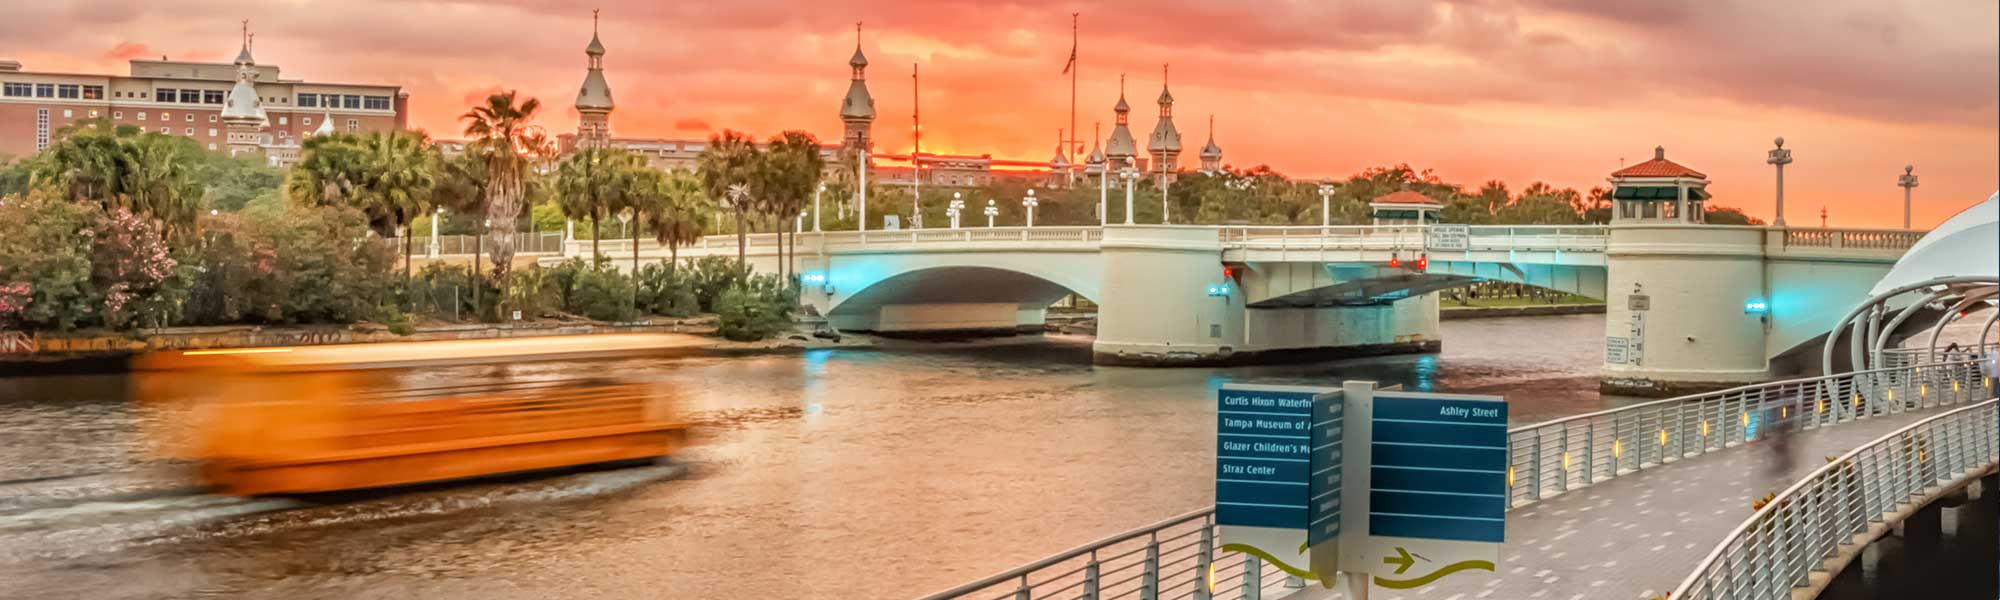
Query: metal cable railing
point(1546, 459)
point(1908, 356)
point(1792, 537)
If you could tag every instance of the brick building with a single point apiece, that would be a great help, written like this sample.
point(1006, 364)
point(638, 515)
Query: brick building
point(190, 99)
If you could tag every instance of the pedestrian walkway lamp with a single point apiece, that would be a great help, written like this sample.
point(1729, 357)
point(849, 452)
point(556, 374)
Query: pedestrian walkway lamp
point(1780, 156)
point(1906, 181)
point(799, 224)
point(816, 193)
point(952, 210)
point(1325, 204)
point(1131, 177)
point(1030, 204)
point(435, 217)
point(992, 210)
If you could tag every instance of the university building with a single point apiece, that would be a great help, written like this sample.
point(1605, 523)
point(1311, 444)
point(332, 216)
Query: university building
point(594, 106)
point(239, 107)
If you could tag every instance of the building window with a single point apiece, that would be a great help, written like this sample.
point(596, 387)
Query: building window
point(68, 114)
point(211, 132)
point(211, 96)
point(350, 102)
point(308, 100)
point(165, 116)
point(305, 121)
point(118, 115)
point(211, 118)
point(166, 94)
point(376, 103)
point(190, 118)
point(93, 92)
point(353, 125)
point(166, 131)
point(189, 132)
point(68, 91)
point(284, 120)
point(93, 114)
point(17, 90)
point(142, 115)
point(45, 90)
point(41, 129)
point(211, 145)
point(190, 96)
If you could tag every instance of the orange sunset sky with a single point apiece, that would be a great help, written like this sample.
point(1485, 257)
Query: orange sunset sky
point(1518, 90)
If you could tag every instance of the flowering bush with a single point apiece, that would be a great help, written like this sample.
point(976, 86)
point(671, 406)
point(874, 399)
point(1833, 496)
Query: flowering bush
point(129, 261)
point(45, 262)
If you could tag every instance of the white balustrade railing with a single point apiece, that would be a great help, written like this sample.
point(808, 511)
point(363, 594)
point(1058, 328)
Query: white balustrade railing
point(1862, 239)
point(1170, 559)
point(1834, 509)
point(1580, 238)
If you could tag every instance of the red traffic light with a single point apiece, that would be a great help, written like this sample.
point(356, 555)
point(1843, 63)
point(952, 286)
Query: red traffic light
point(1423, 262)
point(1395, 261)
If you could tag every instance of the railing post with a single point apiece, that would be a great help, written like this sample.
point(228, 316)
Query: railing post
point(1149, 584)
point(1203, 559)
point(1589, 451)
point(1535, 472)
point(1090, 578)
point(1253, 578)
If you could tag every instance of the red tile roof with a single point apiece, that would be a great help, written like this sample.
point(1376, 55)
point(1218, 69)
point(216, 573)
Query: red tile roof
point(1658, 167)
point(1403, 197)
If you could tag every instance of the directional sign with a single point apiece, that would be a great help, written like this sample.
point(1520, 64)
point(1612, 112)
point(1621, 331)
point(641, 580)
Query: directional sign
point(1447, 237)
point(1277, 472)
point(1426, 488)
point(1439, 468)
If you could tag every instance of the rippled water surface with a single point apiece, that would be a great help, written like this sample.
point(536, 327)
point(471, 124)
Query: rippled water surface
point(834, 474)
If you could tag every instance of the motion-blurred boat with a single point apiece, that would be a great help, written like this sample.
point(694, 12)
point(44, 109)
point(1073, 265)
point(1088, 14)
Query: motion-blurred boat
point(312, 419)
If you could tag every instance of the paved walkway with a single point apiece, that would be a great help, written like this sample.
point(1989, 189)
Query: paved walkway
point(1638, 535)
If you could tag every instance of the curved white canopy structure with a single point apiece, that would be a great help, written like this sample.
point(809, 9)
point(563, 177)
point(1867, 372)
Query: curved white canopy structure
point(1966, 244)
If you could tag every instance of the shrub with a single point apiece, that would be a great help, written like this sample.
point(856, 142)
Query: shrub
point(45, 262)
point(445, 291)
point(532, 291)
point(664, 290)
point(758, 309)
point(602, 293)
point(710, 275)
point(131, 266)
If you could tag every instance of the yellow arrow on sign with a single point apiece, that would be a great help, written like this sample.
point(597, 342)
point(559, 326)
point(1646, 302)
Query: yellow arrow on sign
point(1404, 561)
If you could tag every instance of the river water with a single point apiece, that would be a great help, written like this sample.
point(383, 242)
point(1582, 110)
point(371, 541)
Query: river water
point(880, 473)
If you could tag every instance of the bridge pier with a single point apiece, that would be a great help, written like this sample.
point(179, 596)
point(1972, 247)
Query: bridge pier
point(1157, 309)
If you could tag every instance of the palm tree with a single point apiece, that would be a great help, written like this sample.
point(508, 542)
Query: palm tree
point(157, 180)
point(507, 144)
point(401, 184)
point(594, 183)
point(677, 215)
point(728, 166)
point(791, 169)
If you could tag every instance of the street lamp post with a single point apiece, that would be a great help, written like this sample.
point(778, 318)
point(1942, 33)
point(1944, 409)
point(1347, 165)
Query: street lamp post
point(1030, 204)
point(1906, 181)
point(1780, 156)
point(991, 211)
point(1164, 184)
point(816, 193)
point(435, 217)
point(1103, 196)
point(861, 193)
point(951, 210)
point(1131, 178)
point(799, 224)
point(1325, 205)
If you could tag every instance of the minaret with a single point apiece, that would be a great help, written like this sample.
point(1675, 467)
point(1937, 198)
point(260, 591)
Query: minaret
point(242, 110)
point(1060, 171)
point(1211, 154)
point(1120, 150)
point(325, 125)
point(1165, 145)
point(857, 110)
point(593, 100)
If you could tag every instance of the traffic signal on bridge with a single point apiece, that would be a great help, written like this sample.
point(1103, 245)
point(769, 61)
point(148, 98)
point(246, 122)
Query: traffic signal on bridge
point(1423, 262)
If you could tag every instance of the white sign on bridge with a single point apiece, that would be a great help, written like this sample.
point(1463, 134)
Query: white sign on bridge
point(1447, 237)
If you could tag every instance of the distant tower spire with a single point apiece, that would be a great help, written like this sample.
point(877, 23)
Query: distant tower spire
point(593, 98)
point(1165, 143)
point(1211, 154)
point(857, 109)
point(1121, 151)
point(243, 108)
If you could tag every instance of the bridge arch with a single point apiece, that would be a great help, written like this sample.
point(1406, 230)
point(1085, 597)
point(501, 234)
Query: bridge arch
point(909, 292)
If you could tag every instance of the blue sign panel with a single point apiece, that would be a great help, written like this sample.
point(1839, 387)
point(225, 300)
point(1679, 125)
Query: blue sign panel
point(1439, 468)
point(1323, 508)
point(1268, 452)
